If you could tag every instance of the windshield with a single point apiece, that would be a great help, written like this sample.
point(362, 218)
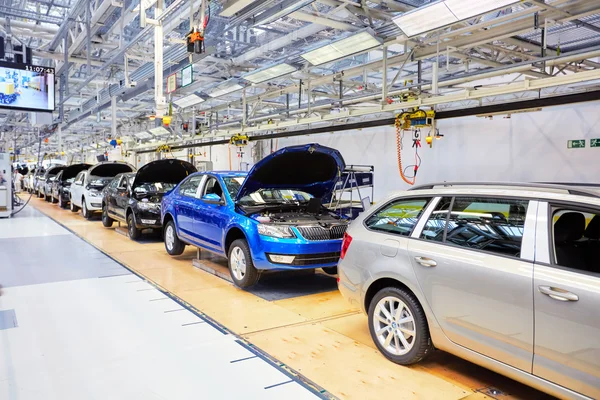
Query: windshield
point(233, 184)
point(99, 181)
point(275, 196)
point(154, 187)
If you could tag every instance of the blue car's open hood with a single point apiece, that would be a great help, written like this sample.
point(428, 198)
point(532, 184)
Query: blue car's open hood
point(311, 168)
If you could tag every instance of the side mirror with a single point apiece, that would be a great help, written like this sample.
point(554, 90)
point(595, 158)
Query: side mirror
point(212, 198)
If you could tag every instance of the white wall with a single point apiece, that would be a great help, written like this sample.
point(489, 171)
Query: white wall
point(526, 147)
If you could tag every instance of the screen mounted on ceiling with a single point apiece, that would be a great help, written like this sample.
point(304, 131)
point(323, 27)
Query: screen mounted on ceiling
point(26, 87)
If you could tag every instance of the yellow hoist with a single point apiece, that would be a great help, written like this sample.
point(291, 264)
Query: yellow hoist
point(412, 120)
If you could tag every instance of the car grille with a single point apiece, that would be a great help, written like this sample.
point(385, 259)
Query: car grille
point(322, 233)
point(313, 259)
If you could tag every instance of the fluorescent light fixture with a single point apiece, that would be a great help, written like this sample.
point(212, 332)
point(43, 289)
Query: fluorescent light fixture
point(92, 146)
point(444, 13)
point(143, 135)
point(268, 73)
point(188, 101)
point(159, 131)
point(280, 10)
point(341, 48)
point(425, 19)
point(233, 6)
point(224, 88)
point(465, 9)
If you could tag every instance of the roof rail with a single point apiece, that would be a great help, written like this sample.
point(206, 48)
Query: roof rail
point(567, 188)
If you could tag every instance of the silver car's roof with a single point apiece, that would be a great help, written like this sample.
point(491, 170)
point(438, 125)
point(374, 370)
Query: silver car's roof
point(580, 194)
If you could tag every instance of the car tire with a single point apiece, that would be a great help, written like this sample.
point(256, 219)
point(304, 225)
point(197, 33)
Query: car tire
point(173, 245)
point(46, 197)
point(330, 270)
point(61, 202)
point(87, 214)
point(132, 230)
point(384, 305)
point(52, 199)
point(74, 208)
point(106, 220)
point(241, 266)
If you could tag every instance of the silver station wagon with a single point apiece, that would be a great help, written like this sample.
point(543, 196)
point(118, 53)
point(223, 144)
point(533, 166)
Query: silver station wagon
point(504, 275)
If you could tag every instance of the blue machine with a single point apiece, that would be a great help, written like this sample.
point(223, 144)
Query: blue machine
point(271, 218)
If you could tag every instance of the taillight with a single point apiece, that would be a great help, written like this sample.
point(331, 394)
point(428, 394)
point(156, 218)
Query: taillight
point(345, 244)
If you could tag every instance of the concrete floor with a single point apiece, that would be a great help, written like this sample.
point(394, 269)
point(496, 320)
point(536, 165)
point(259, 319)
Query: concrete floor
point(316, 334)
point(75, 324)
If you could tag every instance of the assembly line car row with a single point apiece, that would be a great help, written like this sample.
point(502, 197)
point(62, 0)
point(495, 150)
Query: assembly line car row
point(506, 276)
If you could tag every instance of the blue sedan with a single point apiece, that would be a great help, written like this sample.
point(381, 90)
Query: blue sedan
point(271, 218)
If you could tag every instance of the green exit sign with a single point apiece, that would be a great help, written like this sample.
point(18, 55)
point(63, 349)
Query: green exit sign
point(595, 142)
point(576, 144)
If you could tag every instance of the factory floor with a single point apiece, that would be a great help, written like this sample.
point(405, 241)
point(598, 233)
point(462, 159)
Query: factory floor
point(300, 328)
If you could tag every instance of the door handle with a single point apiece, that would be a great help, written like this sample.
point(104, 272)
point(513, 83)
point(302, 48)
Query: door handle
point(426, 262)
point(558, 294)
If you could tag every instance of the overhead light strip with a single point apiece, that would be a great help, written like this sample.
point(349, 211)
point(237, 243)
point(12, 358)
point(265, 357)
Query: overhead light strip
point(342, 48)
point(188, 101)
point(269, 73)
point(225, 88)
point(445, 13)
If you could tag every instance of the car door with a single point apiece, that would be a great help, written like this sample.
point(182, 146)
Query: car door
point(121, 198)
point(211, 214)
point(77, 189)
point(474, 262)
point(567, 297)
point(109, 196)
point(185, 204)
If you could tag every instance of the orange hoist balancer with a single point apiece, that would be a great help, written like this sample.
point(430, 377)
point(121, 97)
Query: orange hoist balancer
point(407, 120)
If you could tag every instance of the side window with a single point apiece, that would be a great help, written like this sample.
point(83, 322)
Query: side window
point(123, 183)
point(489, 224)
point(190, 187)
point(398, 217)
point(212, 186)
point(576, 238)
point(436, 224)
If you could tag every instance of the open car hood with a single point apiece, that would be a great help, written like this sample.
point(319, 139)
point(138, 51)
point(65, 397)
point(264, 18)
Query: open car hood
point(55, 170)
point(110, 169)
point(166, 171)
point(310, 168)
point(72, 170)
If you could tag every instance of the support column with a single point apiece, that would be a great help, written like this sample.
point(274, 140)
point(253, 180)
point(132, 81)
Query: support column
point(384, 86)
point(88, 17)
point(244, 109)
point(59, 133)
point(434, 78)
point(158, 63)
point(113, 117)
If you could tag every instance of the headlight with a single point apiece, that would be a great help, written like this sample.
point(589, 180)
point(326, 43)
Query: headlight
point(146, 205)
point(95, 192)
point(278, 231)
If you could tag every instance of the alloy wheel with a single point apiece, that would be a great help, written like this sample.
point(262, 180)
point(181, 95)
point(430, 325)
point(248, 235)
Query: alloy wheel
point(170, 237)
point(238, 263)
point(394, 326)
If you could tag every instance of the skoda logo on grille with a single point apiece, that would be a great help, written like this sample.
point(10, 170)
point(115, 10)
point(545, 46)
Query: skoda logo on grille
point(324, 225)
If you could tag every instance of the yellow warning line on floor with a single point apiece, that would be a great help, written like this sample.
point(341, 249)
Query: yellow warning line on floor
point(320, 335)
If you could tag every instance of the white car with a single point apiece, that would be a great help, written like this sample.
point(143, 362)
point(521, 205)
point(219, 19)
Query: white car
point(86, 190)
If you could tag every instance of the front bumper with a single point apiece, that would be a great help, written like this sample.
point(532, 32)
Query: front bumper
point(306, 254)
point(148, 219)
point(93, 202)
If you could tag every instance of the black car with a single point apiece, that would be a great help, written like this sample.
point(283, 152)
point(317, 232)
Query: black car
point(45, 183)
point(62, 183)
point(134, 198)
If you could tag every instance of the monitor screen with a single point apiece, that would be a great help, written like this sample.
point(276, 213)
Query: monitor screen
point(26, 87)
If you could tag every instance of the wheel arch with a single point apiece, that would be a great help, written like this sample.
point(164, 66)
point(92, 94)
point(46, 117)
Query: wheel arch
point(232, 235)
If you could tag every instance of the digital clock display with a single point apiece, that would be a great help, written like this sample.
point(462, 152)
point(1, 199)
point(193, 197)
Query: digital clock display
point(27, 87)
